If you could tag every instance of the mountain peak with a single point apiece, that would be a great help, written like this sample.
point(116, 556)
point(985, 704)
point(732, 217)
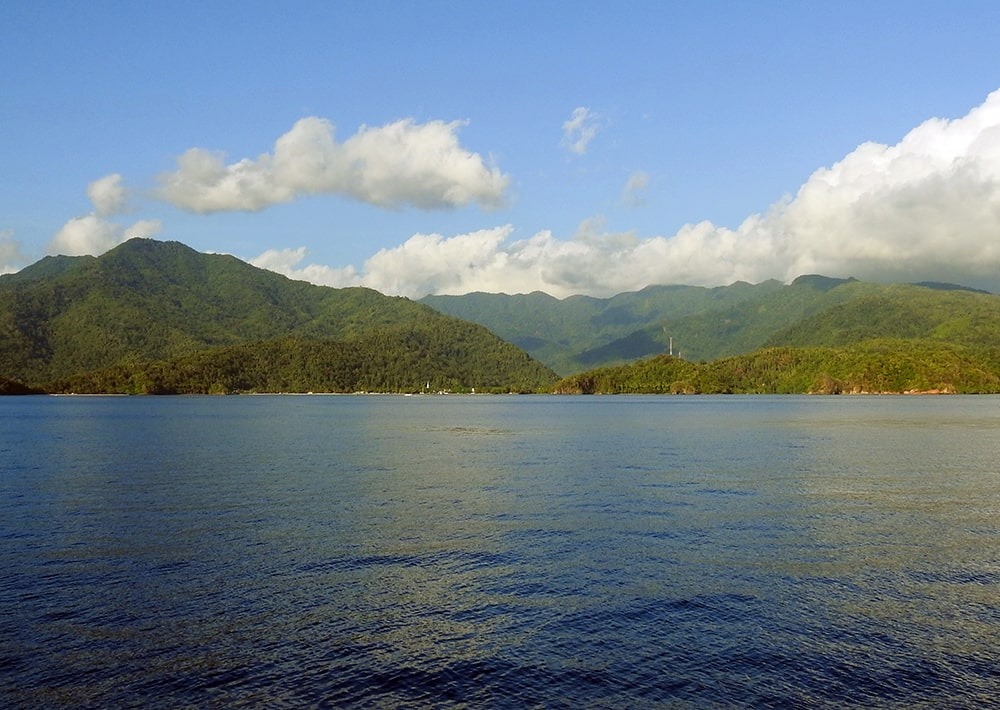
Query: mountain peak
point(149, 301)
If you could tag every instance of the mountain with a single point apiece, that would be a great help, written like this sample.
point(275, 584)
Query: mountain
point(703, 324)
point(154, 316)
point(147, 302)
point(918, 313)
point(574, 333)
point(853, 337)
point(880, 366)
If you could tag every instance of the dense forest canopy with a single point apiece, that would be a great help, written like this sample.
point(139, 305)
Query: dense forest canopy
point(873, 367)
point(159, 317)
point(705, 324)
point(148, 311)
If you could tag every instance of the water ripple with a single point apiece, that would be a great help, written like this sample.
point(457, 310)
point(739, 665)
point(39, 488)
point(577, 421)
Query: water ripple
point(499, 552)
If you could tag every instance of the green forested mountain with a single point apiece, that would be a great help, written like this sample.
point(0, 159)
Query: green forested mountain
point(874, 366)
point(574, 333)
point(901, 312)
point(838, 337)
point(816, 334)
point(150, 309)
point(577, 334)
point(427, 357)
point(159, 317)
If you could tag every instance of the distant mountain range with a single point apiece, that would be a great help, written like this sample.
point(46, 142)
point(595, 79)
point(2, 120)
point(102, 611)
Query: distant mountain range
point(703, 324)
point(152, 316)
point(159, 317)
point(817, 334)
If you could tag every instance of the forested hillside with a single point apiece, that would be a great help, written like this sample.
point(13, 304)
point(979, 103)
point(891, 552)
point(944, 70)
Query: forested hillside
point(901, 312)
point(158, 317)
point(701, 324)
point(578, 332)
point(148, 302)
point(874, 366)
point(400, 359)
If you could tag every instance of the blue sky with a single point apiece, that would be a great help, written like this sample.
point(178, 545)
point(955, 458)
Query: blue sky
point(458, 146)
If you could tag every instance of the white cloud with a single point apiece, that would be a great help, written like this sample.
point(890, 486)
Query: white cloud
point(286, 261)
point(85, 235)
point(580, 130)
point(402, 163)
point(92, 234)
point(593, 262)
point(142, 228)
point(928, 204)
point(926, 208)
point(432, 263)
point(11, 256)
point(107, 194)
point(634, 192)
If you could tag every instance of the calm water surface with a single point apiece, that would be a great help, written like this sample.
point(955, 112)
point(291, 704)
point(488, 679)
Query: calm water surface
point(500, 551)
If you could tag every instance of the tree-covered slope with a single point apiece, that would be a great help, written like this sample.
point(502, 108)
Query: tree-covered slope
point(155, 316)
point(150, 301)
point(901, 311)
point(730, 329)
point(426, 357)
point(577, 334)
point(874, 366)
point(854, 337)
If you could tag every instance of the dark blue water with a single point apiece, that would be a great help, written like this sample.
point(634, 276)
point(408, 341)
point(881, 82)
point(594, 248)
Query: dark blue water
point(500, 551)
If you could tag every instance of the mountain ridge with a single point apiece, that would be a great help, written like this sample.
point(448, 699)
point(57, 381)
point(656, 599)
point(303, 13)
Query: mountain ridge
point(152, 316)
point(148, 301)
point(702, 324)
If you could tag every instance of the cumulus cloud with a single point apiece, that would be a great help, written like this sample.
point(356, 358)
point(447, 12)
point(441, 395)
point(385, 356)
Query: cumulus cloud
point(634, 192)
point(93, 233)
point(580, 130)
point(593, 262)
point(107, 194)
point(926, 208)
point(401, 163)
point(928, 204)
point(11, 256)
point(286, 261)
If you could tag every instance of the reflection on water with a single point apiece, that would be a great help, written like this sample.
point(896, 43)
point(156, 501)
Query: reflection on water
point(499, 550)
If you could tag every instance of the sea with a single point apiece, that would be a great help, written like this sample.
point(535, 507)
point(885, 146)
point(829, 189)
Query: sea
point(489, 551)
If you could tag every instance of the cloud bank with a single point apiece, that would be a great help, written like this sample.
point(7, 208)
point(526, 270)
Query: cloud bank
point(93, 233)
point(402, 163)
point(926, 208)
